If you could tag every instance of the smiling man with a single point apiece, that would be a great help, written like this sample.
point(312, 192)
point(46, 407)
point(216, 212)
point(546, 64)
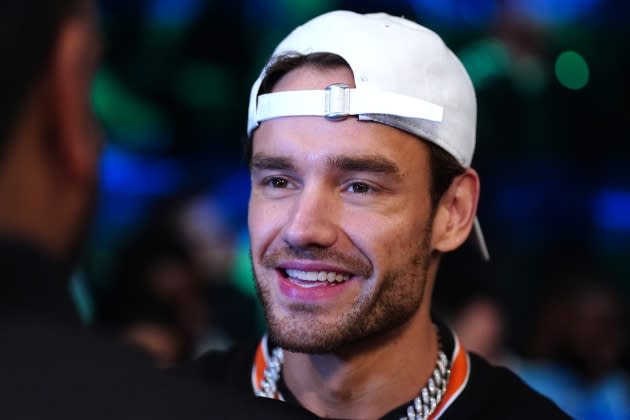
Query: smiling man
point(362, 131)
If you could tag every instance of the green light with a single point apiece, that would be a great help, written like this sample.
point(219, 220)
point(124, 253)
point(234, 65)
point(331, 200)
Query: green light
point(202, 85)
point(485, 60)
point(126, 116)
point(305, 9)
point(119, 107)
point(572, 70)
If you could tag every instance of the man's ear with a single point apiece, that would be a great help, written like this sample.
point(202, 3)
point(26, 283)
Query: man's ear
point(71, 76)
point(455, 214)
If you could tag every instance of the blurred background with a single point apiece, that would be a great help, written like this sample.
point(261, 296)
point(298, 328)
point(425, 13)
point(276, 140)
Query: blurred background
point(167, 266)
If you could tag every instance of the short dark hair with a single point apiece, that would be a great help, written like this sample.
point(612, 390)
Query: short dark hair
point(28, 29)
point(443, 166)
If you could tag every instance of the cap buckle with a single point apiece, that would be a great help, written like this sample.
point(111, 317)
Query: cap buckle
point(337, 102)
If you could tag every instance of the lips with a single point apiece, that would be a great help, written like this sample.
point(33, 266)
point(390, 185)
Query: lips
point(309, 283)
point(312, 264)
point(316, 274)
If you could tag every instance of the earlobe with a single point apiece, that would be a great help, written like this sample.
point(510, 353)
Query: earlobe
point(455, 214)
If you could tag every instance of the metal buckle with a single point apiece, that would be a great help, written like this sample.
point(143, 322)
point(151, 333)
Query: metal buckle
point(337, 102)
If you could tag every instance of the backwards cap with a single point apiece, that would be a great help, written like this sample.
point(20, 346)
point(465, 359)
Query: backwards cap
point(405, 77)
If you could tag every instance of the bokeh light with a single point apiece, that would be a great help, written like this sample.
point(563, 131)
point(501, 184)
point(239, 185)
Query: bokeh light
point(572, 70)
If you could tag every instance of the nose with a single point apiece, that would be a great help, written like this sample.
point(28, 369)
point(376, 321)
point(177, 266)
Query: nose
point(312, 220)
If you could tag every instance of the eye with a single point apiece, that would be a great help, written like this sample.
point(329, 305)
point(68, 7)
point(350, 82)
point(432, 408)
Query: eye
point(359, 188)
point(277, 182)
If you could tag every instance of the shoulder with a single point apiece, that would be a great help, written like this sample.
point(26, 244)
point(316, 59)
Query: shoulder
point(495, 392)
point(231, 367)
point(231, 371)
point(42, 365)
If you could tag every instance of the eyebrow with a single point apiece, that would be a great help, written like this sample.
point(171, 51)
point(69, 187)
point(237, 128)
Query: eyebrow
point(262, 162)
point(369, 163)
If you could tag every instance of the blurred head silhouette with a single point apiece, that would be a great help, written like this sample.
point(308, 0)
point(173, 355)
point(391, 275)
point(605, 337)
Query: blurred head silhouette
point(49, 140)
point(580, 324)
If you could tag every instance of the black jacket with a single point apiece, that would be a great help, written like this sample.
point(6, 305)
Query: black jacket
point(51, 367)
point(488, 393)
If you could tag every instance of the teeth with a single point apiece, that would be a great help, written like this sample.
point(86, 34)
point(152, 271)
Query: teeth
point(327, 276)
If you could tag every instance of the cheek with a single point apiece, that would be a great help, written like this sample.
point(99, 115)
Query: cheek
point(264, 223)
point(388, 240)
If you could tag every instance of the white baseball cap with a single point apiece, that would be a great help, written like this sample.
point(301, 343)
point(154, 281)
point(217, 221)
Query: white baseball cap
point(405, 77)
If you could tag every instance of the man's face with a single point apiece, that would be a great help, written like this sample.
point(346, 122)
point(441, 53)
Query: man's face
point(339, 221)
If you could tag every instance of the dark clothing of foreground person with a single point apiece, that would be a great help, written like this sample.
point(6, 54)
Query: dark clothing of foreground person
point(55, 368)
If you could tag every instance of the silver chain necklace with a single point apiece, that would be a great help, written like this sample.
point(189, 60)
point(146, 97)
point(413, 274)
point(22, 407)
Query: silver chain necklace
point(420, 409)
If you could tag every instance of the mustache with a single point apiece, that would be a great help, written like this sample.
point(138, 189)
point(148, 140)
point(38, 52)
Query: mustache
point(357, 265)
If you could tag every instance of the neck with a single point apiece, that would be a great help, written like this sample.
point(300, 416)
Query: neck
point(368, 379)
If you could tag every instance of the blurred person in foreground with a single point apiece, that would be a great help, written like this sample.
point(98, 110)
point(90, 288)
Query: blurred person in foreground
point(211, 230)
point(50, 366)
point(362, 130)
point(154, 297)
point(169, 291)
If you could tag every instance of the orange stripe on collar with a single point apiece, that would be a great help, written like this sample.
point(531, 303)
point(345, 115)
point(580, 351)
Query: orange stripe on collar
point(460, 372)
point(261, 361)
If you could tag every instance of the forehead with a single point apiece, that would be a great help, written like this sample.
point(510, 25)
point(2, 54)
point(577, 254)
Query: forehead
point(316, 137)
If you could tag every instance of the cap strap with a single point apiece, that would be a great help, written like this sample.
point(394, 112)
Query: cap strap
point(338, 101)
point(480, 241)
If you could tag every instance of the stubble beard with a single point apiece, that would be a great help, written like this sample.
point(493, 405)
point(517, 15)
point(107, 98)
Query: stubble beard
point(390, 306)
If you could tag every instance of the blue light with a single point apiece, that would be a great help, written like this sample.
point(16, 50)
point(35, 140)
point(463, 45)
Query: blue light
point(554, 11)
point(611, 210)
point(174, 12)
point(476, 12)
point(137, 174)
point(256, 10)
point(472, 12)
point(233, 191)
point(520, 202)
